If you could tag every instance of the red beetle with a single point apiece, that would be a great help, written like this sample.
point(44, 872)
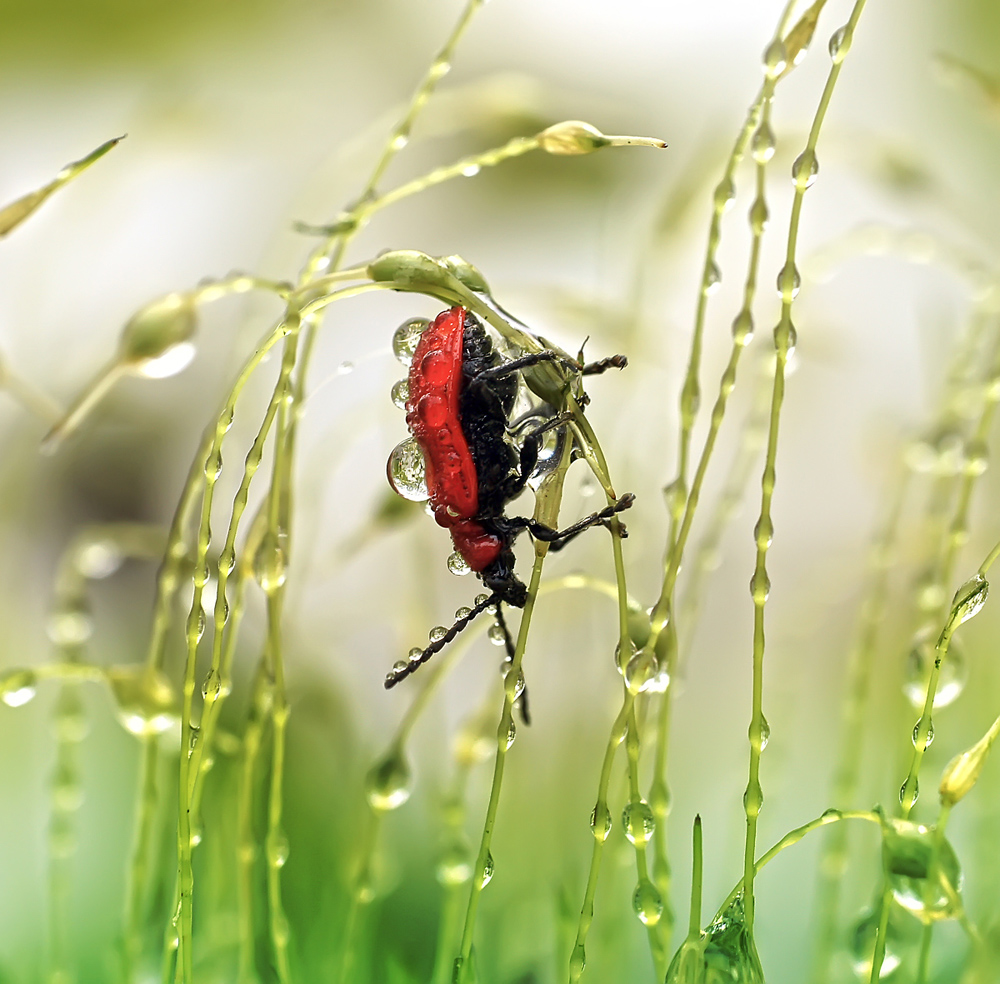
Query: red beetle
point(461, 394)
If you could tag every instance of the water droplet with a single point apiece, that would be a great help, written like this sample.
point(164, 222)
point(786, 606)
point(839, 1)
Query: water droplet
point(639, 671)
point(455, 867)
point(760, 587)
point(760, 216)
point(213, 688)
point(712, 279)
point(213, 466)
point(775, 59)
point(743, 328)
point(916, 735)
point(457, 564)
point(969, 600)
point(724, 195)
point(763, 143)
point(400, 393)
point(729, 952)
point(156, 341)
point(922, 870)
point(840, 44)
point(146, 703)
point(647, 903)
point(481, 599)
point(577, 963)
point(789, 281)
point(463, 612)
point(407, 472)
point(976, 459)
point(511, 732)
point(805, 169)
point(487, 871)
point(785, 336)
point(399, 141)
point(862, 943)
point(388, 783)
point(98, 559)
point(437, 633)
point(406, 338)
point(67, 790)
point(763, 533)
point(952, 675)
point(70, 625)
point(675, 496)
point(413, 656)
point(600, 821)
point(470, 171)
point(638, 822)
point(909, 792)
point(753, 799)
point(269, 564)
point(659, 799)
point(759, 733)
point(513, 685)
point(277, 849)
point(496, 634)
point(659, 682)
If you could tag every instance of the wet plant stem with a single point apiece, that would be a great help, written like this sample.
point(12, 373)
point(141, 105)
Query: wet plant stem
point(803, 173)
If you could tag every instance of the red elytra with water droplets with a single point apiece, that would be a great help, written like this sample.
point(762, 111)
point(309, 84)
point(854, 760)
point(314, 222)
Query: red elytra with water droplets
point(433, 417)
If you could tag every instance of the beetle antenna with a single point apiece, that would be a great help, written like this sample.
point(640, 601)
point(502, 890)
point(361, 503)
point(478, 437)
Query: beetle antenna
point(403, 669)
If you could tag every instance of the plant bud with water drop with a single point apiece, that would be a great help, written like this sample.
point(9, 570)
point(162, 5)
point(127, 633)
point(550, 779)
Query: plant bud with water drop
point(388, 783)
point(146, 701)
point(156, 340)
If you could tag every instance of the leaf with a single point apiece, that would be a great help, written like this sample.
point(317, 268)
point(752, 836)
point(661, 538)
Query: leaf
point(16, 212)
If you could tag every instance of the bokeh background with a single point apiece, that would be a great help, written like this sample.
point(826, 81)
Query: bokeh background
point(244, 118)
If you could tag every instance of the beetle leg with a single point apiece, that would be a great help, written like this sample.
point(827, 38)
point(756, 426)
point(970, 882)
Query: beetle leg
point(394, 676)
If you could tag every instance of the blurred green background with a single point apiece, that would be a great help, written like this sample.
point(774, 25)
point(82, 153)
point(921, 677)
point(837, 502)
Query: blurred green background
point(245, 117)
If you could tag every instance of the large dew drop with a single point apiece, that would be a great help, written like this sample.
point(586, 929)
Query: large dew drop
point(647, 903)
point(969, 600)
point(638, 822)
point(725, 953)
point(923, 870)
point(406, 338)
point(156, 341)
point(17, 687)
point(863, 937)
point(388, 784)
point(952, 675)
point(146, 701)
point(407, 472)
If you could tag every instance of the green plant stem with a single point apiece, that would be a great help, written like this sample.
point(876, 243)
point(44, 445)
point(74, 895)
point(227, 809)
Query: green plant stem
point(784, 341)
point(246, 841)
point(361, 895)
point(503, 733)
point(138, 870)
point(855, 709)
point(662, 617)
point(690, 391)
point(275, 848)
point(36, 402)
point(794, 836)
point(601, 827)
